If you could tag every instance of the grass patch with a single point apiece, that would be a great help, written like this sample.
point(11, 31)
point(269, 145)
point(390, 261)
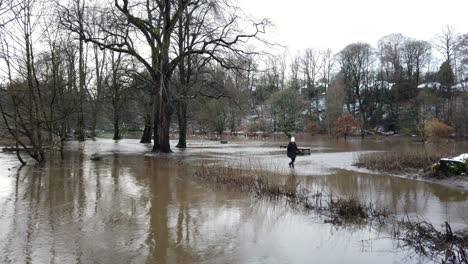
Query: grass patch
point(338, 210)
point(400, 161)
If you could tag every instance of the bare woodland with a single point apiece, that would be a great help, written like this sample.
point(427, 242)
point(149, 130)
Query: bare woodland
point(74, 68)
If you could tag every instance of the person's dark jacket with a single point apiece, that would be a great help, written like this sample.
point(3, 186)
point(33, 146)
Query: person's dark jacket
point(292, 150)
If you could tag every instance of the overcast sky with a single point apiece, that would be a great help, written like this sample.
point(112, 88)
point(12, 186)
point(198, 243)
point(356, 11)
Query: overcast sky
point(301, 24)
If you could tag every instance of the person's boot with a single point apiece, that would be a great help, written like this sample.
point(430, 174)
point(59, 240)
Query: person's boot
point(289, 165)
point(292, 165)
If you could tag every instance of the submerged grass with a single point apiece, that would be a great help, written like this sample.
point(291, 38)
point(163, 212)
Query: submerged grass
point(338, 210)
point(423, 237)
point(443, 246)
point(400, 161)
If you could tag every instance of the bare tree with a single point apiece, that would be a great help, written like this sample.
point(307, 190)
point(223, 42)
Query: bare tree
point(355, 60)
point(389, 48)
point(154, 23)
point(335, 98)
point(295, 79)
point(115, 88)
point(96, 95)
point(446, 42)
point(34, 82)
point(59, 93)
point(310, 67)
point(416, 54)
point(328, 67)
point(77, 11)
point(463, 53)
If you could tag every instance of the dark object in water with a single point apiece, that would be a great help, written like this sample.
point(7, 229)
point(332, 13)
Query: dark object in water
point(95, 157)
point(12, 149)
point(224, 142)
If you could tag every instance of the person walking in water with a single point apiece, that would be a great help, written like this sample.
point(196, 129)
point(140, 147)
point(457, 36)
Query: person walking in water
point(292, 152)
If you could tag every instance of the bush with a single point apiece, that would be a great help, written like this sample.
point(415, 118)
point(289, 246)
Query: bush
point(345, 125)
point(257, 125)
point(450, 169)
point(312, 128)
point(348, 209)
point(437, 129)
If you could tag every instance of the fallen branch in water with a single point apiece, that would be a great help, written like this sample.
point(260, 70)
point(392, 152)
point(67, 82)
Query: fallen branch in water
point(446, 247)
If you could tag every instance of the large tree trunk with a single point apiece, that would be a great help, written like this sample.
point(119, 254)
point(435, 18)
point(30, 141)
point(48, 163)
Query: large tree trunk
point(164, 120)
point(182, 120)
point(93, 124)
point(147, 132)
point(184, 76)
point(156, 122)
point(156, 132)
point(116, 125)
point(164, 135)
point(162, 143)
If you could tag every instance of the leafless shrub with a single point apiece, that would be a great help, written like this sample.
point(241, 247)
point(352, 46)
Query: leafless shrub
point(443, 246)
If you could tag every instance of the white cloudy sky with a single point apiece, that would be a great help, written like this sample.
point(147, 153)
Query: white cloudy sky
point(300, 24)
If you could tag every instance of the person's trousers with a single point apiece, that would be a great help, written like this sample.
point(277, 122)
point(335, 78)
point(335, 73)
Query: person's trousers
point(292, 162)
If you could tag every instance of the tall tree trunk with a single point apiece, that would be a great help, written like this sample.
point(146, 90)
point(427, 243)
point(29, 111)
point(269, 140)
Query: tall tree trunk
point(81, 69)
point(116, 90)
point(156, 112)
point(164, 119)
point(182, 120)
point(156, 126)
point(97, 100)
point(147, 132)
point(116, 124)
point(184, 78)
point(36, 137)
point(363, 117)
point(93, 124)
point(81, 133)
point(165, 110)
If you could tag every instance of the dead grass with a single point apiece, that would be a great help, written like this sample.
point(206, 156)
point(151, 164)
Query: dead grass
point(400, 161)
point(443, 246)
point(338, 210)
point(6, 142)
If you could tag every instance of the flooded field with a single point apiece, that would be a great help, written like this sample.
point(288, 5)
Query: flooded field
point(134, 207)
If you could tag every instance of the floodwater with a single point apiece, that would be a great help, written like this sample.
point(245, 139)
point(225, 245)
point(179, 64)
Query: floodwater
point(134, 207)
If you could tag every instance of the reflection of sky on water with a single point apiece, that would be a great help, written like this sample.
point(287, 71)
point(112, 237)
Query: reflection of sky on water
point(135, 208)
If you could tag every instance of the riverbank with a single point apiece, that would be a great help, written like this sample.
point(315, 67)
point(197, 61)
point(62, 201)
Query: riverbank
point(413, 164)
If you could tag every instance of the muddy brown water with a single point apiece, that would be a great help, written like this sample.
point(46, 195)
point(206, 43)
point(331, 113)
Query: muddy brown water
point(133, 207)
